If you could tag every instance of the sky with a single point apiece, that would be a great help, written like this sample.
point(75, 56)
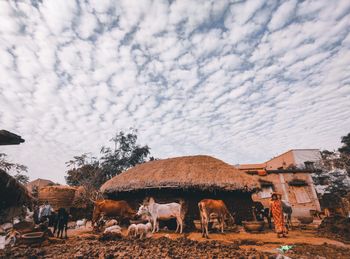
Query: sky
point(238, 80)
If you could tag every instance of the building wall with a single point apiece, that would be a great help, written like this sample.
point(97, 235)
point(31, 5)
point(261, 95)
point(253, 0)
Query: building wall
point(303, 155)
point(283, 161)
point(280, 184)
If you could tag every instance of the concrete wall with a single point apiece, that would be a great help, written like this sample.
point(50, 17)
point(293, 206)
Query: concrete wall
point(280, 184)
point(283, 161)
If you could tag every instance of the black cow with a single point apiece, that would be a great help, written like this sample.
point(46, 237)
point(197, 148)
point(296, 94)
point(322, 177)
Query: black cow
point(261, 212)
point(61, 222)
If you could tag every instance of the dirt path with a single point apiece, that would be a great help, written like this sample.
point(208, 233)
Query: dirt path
point(83, 243)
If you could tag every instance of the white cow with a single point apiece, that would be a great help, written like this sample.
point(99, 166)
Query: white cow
point(158, 211)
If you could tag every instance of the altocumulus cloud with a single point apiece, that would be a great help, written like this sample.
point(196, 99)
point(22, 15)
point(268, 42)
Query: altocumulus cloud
point(239, 80)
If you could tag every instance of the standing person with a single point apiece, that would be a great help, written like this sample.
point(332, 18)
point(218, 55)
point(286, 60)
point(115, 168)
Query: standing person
point(277, 215)
point(45, 211)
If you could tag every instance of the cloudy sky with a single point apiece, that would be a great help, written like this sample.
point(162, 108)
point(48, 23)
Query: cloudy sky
point(242, 81)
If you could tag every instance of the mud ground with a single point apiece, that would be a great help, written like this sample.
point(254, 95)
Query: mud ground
point(83, 243)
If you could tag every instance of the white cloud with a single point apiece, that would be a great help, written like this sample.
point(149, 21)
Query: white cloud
point(282, 15)
point(211, 77)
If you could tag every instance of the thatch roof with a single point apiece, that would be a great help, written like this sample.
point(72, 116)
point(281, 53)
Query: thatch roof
point(12, 192)
point(39, 183)
point(201, 172)
point(9, 138)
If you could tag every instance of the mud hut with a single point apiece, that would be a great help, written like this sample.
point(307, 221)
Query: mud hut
point(13, 195)
point(59, 196)
point(191, 178)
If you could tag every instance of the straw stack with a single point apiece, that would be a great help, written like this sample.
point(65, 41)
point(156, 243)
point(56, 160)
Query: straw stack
point(59, 196)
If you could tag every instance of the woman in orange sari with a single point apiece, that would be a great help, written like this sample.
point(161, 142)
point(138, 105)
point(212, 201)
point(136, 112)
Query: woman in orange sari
point(277, 215)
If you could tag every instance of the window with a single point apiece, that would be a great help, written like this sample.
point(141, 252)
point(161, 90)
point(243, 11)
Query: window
point(301, 194)
point(265, 192)
point(309, 165)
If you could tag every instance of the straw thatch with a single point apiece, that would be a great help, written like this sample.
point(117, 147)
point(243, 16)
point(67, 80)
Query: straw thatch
point(12, 196)
point(58, 196)
point(9, 138)
point(39, 183)
point(12, 192)
point(190, 172)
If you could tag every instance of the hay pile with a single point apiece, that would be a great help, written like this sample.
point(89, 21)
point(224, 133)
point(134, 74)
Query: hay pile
point(58, 196)
point(200, 172)
point(337, 227)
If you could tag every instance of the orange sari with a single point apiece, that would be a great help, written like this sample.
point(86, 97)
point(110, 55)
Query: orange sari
point(277, 215)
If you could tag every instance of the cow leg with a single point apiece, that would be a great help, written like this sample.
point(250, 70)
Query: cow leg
point(181, 225)
point(206, 228)
point(65, 230)
point(177, 225)
point(154, 224)
point(269, 221)
point(222, 224)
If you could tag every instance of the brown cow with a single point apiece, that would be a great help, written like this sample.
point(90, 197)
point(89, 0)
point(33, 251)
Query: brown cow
point(111, 208)
point(209, 207)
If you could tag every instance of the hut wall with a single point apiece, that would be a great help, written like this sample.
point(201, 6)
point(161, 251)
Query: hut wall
point(236, 201)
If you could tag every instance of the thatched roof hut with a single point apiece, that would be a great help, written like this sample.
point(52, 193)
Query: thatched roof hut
point(191, 178)
point(9, 138)
point(200, 172)
point(13, 195)
point(39, 183)
point(58, 196)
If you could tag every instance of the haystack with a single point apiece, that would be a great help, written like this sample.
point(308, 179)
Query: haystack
point(200, 172)
point(190, 178)
point(12, 196)
point(59, 196)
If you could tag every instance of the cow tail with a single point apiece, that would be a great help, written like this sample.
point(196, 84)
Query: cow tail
point(230, 215)
point(183, 209)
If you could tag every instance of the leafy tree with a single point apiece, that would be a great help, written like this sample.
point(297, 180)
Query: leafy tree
point(334, 174)
point(345, 149)
point(84, 171)
point(92, 173)
point(17, 170)
point(126, 153)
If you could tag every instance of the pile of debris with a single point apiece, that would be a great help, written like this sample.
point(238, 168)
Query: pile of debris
point(336, 227)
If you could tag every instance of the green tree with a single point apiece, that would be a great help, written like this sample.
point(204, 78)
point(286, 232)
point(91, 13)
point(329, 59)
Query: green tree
point(84, 171)
point(345, 149)
point(125, 153)
point(18, 171)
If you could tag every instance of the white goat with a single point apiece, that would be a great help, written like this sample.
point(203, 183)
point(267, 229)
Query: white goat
point(111, 222)
point(81, 223)
point(132, 230)
point(113, 229)
point(143, 229)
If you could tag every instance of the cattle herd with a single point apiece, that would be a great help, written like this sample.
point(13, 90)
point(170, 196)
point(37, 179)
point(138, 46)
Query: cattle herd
point(153, 212)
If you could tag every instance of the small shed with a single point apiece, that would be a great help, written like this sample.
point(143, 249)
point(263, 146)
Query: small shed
point(191, 178)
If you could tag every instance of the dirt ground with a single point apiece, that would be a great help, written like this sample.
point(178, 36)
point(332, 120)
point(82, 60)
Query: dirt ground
point(83, 243)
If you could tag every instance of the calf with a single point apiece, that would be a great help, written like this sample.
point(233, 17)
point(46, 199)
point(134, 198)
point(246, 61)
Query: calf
point(208, 207)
